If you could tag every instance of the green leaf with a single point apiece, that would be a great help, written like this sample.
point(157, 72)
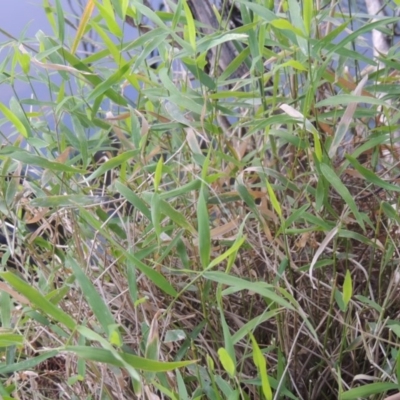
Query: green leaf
point(95, 301)
point(38, 300)
point(274, 200)
point(11, 339)
point(60, 21)
point(158, 173)
point(191, 29)
point(65, 201)
point(113, 163)
point(285, 24)
point(337, 184)
point(252, 324)
point(308, 11)
point(28, 364)
point(156, 214)
point(107, 12)
point(91, 335)
point(104, 86)
point(31, 159)
point(371, 177)
point(90, 76)
point(227, 362)
point(347, 289)
point(157, 278)
point(368, 390)
point(345, 99)
point(170, 212)
point(134, 199)
point(233, 249)
point(261, 363)
point(294, 64)
point(204, 229)
point(398, 366)
point(140, 363)
point(14, 120)
point(239, 284)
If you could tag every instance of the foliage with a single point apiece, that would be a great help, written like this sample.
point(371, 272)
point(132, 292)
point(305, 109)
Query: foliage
point(174, 232)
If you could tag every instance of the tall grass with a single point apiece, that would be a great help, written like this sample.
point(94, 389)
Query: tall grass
point(170, 232)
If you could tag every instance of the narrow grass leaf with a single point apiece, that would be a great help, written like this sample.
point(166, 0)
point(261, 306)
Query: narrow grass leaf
point(246, 196)
point(199, 74)
point(252, 324)
point(345, 99)
point(49, 14)
point(21, 115)
point(24, 61)
point(261, 364)
point(38, 300)
point(11, 339)
point(227, 362)
point(398, 366)
point(14, 120)
point(113, 163)
point(229, 346)
point(347, 288)
point(176, 216)
point(182, 190)
point(369, 303)
point(91, 335)
point(308, 12)
point(234, 248)
point(28, 364)
point(95, 301)
point(157, 278)
point(181, 385)
point(156, 215)
point(158, 174)
point(294, 64)
point(131, 277)
point(210, 41)
point(286, 25)
point(32, 159)
point(140, 363)
point(191, 29)
point(368, 390)
point(177, 14)
point(109, 82)
point(112, 48)
point(83, 22)
point(234, 66)
point(134, 199)
point(380, 23)
point(204, 229)
point(293, 217)
point(60, 21)
point(274, 200)
point(67, 201)
point(90, 76)
point(371, 177)
point(337, 184)
point(107, 12)
point(5, 308)
point(239, 284)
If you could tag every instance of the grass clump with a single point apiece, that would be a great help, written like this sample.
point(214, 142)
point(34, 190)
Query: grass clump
point(171, 229)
